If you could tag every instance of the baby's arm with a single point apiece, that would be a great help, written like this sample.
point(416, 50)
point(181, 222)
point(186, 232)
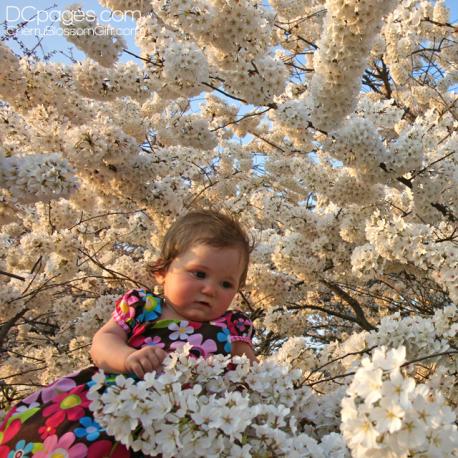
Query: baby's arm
point(111, 353)
point(242, 348)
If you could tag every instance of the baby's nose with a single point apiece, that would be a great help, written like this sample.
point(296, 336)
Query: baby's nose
point(208, 288)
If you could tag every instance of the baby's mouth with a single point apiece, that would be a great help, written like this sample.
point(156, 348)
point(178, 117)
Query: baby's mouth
point(204, 303)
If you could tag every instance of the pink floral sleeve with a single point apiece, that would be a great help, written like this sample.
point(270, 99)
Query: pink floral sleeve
point(240, 327)
point(136, 306)
point(125, 310)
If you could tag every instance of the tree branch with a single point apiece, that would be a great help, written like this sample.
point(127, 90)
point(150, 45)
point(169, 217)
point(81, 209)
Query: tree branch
point(223, 92)
point(325, 310)
point(8, 274)
point(9, 324)
point(313, 45)
point(330, 379)
point(255, 113)
point(353, 303)
point(362, 352)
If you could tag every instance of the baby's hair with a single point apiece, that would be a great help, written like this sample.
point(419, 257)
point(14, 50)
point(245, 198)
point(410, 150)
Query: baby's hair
point(206, 227)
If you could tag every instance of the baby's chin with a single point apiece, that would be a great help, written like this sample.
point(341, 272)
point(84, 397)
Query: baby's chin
point(198, 311)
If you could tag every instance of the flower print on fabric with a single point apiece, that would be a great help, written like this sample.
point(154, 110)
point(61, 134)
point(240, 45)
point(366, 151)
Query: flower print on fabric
point(24, 409)
point(180, 330)
point(221, 322)
point(195, 325)
point(46, 431)
point(138, 336)
point(224, 336)
point(69, 405)
point(22, 417)
point(200, 347)
point(155, 341)
point(21, 450)
point(242, 325)
point(90, 429)
point(62, 447)
point(124, 312)
point(23, 413)
point(107, 448)
point(62, 385)
point(7, 434)
point(152, 308)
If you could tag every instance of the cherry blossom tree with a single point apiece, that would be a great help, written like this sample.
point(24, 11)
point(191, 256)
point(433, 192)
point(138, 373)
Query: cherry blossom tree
point(330, 128)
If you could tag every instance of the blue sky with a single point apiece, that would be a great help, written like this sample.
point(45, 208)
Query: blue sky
point(46, 23)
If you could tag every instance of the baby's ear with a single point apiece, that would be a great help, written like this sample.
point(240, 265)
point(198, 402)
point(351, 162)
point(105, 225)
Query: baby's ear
point(160, 276)
point(160, 271)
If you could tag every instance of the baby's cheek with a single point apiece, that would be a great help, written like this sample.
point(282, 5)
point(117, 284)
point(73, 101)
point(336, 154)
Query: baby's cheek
point(229, 296)
point(187, 282)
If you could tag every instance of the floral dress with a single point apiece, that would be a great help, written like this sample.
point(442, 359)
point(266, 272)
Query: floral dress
point(56, 422)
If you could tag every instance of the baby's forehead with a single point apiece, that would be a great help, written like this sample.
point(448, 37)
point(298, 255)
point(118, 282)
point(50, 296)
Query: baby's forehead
point(217, 255)
point(212, 247)
point(206, 249)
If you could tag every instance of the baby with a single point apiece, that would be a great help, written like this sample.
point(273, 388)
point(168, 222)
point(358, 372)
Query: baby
point(203, 263)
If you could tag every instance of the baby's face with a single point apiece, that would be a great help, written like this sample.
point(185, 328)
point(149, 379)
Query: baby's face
point(199, 284)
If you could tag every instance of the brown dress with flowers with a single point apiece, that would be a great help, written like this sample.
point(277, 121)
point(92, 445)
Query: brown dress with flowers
point(56, 421)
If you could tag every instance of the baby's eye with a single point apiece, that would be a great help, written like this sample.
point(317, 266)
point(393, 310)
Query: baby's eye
point(227, 285)
point(199, 274)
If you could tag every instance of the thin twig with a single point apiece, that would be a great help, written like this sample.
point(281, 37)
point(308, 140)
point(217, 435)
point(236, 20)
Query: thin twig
point(223, 92)
point(105, 214)
point(435, 355)
point(330, 379)
point(8, 274)
point(255, 113)
point(367, 350)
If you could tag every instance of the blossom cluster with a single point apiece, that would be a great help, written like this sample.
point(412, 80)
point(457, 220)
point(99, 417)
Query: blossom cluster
point(420, 337)
point(211, 23)
point(80, 29)
point(10, 67)
point(385, 413)
point(359, 146)
point(97, 82)
point(405, 242)
point(257, 81)
point(45, 177)
point(418, 19)
point(217, 406)
point(339, 62)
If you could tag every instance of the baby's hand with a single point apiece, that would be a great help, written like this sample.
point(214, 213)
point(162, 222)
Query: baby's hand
point(145, 360)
